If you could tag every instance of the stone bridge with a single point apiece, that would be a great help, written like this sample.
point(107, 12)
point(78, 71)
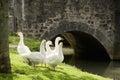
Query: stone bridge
point(91, 27)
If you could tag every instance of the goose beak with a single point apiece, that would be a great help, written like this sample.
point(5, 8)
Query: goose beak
point(62, 39)
point(44, 41)
point(16, 33)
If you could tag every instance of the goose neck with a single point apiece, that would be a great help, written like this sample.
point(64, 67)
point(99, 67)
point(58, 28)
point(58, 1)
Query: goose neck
point(21, 40)
point(42, 48)
point(56, 44)
point(48, 47)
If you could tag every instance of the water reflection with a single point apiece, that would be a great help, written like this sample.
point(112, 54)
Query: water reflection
point(109, 69)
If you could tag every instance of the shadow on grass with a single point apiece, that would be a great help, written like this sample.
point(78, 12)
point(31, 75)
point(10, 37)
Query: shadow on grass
point(6, 76)
point(44, 73)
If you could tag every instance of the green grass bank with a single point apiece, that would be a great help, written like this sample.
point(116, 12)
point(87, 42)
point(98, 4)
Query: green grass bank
point(22, 71)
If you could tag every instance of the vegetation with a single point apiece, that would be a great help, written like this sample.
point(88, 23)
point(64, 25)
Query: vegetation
point(22, 71)
point(32, 43)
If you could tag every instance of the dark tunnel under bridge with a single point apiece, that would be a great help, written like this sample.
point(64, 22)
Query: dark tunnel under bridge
point(83, 39)
point(85, 46)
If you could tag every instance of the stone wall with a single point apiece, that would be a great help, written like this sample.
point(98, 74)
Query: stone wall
point(98, 14)
point(35, 17)
point(117, 30)
point(40, 15)
point(32, 17)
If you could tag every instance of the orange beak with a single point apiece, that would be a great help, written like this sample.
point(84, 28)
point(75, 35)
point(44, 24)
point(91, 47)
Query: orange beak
point(62, 39)
point(16, 33)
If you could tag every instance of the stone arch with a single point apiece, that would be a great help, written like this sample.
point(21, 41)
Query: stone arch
point(70, 29)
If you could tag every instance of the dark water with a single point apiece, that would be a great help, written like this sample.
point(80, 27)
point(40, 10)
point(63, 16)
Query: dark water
point(109, 69)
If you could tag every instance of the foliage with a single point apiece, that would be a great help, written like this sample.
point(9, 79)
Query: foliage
point(22, 71)
point(32, 43)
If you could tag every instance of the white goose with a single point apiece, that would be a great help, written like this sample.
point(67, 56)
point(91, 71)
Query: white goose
point(38, 57)
point(57, 43)
point(61, 56)
point(48, 49)
point(22, 49)
point(54, 58)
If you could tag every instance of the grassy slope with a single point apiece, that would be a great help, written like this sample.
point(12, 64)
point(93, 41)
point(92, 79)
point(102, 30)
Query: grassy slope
point(22, 71)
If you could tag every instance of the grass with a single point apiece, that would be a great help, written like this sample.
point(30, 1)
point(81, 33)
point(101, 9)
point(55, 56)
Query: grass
point(22, 71)
point(32, 43)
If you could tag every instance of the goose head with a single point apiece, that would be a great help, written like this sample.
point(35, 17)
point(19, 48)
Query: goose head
point(49, 43)
point(19, 33)
point(57, 40)
point(43, 41)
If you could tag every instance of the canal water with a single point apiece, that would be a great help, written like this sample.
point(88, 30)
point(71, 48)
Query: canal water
point(109, 69)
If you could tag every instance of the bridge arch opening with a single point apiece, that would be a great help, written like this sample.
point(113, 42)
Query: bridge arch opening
point(85, 46)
